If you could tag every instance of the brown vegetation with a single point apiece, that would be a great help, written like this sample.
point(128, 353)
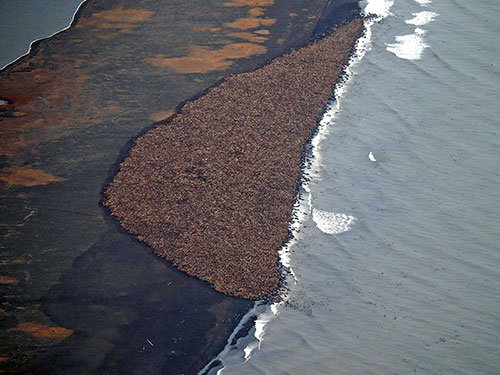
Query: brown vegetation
point(40, 330)
point(162, 115)
point(249, 3)
point(207, 28)
point(123, 20)
point(8, 280)
point(202, 59)
point(250, 23)
point(25, 176)
point(256, 12)
point(248, 36)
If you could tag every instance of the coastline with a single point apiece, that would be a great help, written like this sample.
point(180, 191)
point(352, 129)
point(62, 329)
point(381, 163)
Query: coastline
point(178, 190)
point(303, 204)
point(71, 219)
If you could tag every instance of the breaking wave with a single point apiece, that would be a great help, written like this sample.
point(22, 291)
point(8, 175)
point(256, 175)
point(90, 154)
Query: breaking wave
point(331, 222)
point(412, 46)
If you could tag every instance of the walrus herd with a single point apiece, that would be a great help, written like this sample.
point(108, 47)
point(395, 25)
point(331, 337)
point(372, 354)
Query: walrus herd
point(212, 190)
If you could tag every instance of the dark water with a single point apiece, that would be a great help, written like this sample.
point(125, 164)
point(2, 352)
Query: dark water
point(23, 21)
point(413, 286)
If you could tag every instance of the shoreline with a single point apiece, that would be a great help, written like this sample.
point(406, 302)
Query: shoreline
point(36, 42)
point(303, 204)
point(66, 228)
point(198, 177)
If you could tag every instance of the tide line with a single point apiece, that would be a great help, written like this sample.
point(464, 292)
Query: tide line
point(375, 11)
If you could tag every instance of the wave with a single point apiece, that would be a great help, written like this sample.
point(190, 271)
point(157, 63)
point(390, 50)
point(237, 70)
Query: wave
point(374, 11)
point(409, 47)
point(379, 8)
point(422, 18)
point(331, 222)
point(412, 46)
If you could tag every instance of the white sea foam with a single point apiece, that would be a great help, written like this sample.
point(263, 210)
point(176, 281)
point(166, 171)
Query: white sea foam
point(249, 349)
point(409, 47)
point(303, 205)
point(379, 8)
point(420, 31)
point(331, 222)
point(422, 18)
point(259, 308)
point(424, 2)
point(260, 324)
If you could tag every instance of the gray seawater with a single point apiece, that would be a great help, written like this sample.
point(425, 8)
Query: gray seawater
point(23, 21)
point(414, 285)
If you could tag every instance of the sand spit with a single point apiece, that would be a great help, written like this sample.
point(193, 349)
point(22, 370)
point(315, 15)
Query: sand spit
point(213, 189)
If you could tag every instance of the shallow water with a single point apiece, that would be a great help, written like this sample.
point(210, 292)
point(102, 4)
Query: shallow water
point(413, 286)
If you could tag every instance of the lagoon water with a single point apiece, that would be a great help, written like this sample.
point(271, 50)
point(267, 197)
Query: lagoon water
point(23, 21)
point(412, 284)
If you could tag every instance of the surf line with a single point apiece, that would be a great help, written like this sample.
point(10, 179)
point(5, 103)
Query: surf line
point(374, 12)
point(46, 37)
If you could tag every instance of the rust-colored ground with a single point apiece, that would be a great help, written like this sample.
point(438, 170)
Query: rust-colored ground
point(162, 115)
point(213, 189)
point(44, 331)
point(250, 23)
point(24, 176)
point(202, 59)
point(8, 280)
point(250, 3)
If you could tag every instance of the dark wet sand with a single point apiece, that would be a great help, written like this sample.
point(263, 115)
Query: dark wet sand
point(142, 299)
point(73, 106)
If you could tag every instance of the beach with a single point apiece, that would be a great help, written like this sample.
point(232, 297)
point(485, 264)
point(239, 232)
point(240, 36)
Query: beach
point(78, 291)
point(213, 189)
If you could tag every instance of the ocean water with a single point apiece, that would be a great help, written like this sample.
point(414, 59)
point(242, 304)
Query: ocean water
point(396, 259)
